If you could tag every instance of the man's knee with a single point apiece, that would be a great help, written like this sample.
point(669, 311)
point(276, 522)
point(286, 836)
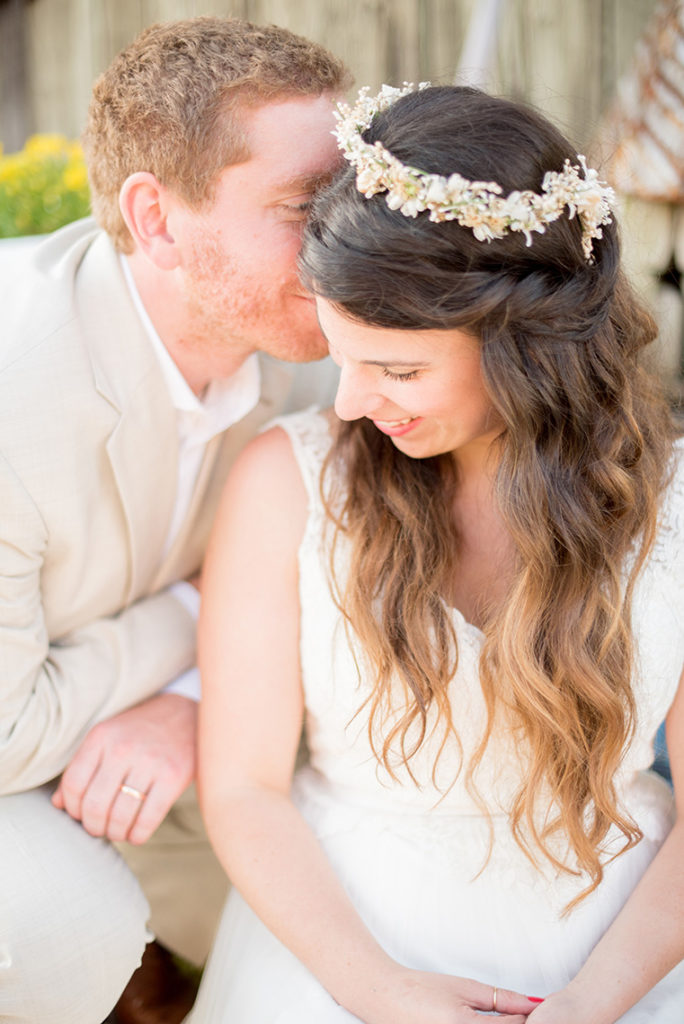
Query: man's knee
point(73, 926)
point(184, 883)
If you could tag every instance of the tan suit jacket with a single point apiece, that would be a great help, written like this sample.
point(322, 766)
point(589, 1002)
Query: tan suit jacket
point(88, 460)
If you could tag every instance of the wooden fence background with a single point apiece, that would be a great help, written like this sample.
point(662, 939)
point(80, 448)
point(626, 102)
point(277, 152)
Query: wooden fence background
point(563, 55)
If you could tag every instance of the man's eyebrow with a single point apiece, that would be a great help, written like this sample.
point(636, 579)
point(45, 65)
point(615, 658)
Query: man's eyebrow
point(305, 182)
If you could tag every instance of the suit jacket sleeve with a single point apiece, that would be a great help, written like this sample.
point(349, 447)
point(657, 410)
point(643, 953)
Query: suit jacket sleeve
point(53, 693)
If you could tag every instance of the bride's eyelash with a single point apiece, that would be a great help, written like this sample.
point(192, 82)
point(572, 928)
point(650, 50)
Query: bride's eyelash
point(399, 376)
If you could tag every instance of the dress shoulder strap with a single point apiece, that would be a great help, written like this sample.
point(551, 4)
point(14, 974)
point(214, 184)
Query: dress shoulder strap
point(311, 438)
point(669, 545)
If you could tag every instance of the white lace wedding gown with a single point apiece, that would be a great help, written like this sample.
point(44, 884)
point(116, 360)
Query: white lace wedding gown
point(409, 857)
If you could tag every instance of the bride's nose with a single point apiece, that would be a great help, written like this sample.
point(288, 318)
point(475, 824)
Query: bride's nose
point(356, 394)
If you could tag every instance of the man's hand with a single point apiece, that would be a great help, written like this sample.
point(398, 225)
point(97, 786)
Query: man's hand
point(150, 751)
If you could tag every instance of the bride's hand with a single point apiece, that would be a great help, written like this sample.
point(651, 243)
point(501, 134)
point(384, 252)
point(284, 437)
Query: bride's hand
point(568, 1007)
point(419, 997)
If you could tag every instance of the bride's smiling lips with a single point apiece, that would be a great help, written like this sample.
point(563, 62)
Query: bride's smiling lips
point(396, 428)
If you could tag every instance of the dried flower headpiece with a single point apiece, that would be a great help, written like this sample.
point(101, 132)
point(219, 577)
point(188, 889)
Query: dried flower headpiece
point(474, 204)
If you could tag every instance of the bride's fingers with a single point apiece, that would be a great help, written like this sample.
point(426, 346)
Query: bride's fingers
point(500, 1000)
point(512, 1002)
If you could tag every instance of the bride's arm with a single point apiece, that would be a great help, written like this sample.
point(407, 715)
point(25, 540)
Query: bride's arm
point(646, 940)
point(250, 722)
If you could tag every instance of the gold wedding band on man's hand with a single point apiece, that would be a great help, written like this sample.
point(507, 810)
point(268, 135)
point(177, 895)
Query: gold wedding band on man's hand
point(132, 791)
point(495, 992)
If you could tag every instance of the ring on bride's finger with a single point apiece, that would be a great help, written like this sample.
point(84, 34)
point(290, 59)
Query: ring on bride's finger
point(132, 791)
point(495, 993)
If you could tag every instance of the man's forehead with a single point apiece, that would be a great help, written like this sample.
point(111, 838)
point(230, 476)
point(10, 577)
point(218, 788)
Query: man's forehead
point(290, 144)
point(289, 123)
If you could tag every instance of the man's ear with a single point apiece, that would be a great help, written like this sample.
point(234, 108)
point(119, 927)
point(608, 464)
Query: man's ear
point(144, 204)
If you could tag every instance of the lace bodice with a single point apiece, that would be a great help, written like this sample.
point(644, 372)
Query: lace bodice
point(334, 693)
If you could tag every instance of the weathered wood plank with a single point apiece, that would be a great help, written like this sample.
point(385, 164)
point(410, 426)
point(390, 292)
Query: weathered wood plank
point(563, 55)
point(15, 106)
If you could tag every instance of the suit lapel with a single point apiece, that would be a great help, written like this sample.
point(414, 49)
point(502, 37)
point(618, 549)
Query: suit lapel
point(143, 447)
point(146, 478)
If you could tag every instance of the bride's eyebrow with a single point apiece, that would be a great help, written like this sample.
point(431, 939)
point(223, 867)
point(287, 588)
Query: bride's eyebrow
point(395, 362)
point(405, 364)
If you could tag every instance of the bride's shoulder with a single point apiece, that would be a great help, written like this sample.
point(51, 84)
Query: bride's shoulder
point(310, 435)
point(267, 462)
point(263, 497)
point(284, 462)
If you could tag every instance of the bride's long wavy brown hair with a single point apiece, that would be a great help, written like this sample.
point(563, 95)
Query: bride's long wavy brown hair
point(583, 459)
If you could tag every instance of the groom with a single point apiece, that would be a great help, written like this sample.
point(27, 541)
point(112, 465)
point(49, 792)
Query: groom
point(129, 381)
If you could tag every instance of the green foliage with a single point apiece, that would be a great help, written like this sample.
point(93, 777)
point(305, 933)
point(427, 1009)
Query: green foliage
point(42, 187)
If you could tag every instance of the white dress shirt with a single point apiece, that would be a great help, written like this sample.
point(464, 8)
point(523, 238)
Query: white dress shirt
point(224, 402)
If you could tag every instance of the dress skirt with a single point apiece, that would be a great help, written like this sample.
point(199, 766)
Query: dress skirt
point(419, 883)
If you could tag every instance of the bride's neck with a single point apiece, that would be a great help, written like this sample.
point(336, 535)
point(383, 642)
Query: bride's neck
point(486, 556)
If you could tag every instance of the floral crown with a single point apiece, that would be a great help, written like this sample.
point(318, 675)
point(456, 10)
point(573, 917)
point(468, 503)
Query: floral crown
point(474, 204)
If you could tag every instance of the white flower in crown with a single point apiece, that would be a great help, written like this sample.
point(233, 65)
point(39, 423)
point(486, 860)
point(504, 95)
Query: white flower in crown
point(478, 205)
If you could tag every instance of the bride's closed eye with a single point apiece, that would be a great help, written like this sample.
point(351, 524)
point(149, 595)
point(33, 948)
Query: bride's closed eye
point(410, 375)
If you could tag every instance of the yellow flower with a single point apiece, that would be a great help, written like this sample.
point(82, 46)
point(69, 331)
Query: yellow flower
point(49, 144)
point(43, 186)
point(75, 176)
point(10, 167)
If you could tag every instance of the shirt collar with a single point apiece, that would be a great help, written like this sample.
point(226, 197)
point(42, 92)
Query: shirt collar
point(225, 401)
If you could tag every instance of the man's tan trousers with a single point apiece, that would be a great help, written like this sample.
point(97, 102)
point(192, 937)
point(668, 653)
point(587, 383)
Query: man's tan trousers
point(74, 918)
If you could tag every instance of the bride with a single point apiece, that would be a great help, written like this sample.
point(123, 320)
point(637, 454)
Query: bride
point(469, 585)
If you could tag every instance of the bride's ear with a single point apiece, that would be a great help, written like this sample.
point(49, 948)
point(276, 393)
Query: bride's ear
point(145, 205)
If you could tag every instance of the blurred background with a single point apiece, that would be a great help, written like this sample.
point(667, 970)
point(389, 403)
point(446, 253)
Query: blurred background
point(564, 55)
